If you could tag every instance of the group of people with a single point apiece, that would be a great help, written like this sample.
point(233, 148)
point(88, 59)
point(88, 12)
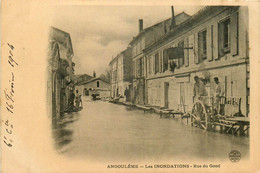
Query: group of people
point(75, 101)
point(199, 91)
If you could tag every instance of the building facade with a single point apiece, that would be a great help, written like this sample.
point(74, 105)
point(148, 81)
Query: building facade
point(212, 43)
point(96, 86)
point(60, 71)
point(144, 39)
point(121, 74)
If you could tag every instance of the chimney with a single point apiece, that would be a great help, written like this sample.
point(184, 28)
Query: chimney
point(94, 74)
point(140, 25)
point(173, 23)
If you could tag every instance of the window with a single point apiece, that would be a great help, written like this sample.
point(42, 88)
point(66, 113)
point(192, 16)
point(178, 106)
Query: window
point(202, 43)
point(165, 61)
point(156, 62)
point(181, 53)
point(160, 61)
point(86, 92)
point(224, 37)
point(138, 46)
point(149, 65)
point(139, 67)
point(98, 84)
point(134, 68)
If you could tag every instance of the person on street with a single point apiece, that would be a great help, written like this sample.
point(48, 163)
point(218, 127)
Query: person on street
point(198, 89)
point(218, 89)
point(78, 100)
point(218, 93)
point(71, 101)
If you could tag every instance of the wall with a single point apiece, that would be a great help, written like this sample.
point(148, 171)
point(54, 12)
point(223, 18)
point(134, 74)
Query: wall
point(233, 80)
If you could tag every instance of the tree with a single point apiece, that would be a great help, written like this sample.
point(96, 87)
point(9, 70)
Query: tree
point(106, 76)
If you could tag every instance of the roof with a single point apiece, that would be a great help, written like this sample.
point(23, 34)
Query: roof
point(92, 80)
point(179, 18)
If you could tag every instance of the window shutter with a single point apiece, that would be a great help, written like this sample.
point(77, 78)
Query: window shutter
point(220, 39)
point(160, 55)
point(215, 43)
point(234, 33)
point(209, 42)
point(154, 66)
point(186, 52)
point(159, 61)
point(191, 51)
point(196, 49)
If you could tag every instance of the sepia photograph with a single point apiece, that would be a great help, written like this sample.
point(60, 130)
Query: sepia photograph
point(150, 82)
point(129, 87)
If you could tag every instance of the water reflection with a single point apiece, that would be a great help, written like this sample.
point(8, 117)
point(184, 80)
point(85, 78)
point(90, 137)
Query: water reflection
point(61, 132)
point(105, 131)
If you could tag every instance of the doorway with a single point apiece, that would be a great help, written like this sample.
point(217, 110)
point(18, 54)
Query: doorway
point(166, 95)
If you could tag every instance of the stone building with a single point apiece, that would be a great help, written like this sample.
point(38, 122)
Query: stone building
point(145, 38)
point(97, 86)
point(121, 74)
point(211, 43)
point(60, 71)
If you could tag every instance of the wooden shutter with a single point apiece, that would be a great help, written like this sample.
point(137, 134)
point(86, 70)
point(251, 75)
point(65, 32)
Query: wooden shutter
point(234, 33)
point(152, 64)
point(165, 61)
point(156, 62)
point(220, 39)
point(209, 42)
point(215, 42)
point(196, 49)
point(191, 51)
point(161, 59)
point(186, 52)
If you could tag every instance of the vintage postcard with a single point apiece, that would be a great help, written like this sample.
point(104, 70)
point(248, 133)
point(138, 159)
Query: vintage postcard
point(129, 86)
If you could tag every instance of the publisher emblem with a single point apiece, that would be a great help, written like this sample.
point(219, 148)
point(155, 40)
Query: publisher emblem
point(234, 156)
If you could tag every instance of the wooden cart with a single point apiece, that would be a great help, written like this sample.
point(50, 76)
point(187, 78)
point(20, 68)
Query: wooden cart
point(225, 113)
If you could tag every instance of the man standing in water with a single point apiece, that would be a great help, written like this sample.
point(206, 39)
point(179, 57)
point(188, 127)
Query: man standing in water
point(78, 99)
point(198, 89)
point(217, 94)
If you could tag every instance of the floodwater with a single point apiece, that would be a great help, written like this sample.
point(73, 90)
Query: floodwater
point(104, 131)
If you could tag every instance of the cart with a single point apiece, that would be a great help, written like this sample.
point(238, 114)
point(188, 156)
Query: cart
point(225, 113)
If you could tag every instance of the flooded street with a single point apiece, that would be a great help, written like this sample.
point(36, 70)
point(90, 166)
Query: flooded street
point(104, 131)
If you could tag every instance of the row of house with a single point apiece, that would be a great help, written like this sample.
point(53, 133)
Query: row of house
point(165, 58)
point(121, 74)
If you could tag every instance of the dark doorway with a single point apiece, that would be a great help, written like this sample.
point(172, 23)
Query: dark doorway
point(166, 94)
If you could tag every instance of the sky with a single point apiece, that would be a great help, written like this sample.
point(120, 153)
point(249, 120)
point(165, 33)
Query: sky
point(99, 33)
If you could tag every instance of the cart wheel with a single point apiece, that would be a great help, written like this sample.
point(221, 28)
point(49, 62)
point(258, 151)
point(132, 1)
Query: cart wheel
point(199, 115)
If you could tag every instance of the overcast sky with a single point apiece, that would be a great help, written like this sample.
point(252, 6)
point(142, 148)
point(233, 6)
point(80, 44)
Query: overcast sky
point(99, 33)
